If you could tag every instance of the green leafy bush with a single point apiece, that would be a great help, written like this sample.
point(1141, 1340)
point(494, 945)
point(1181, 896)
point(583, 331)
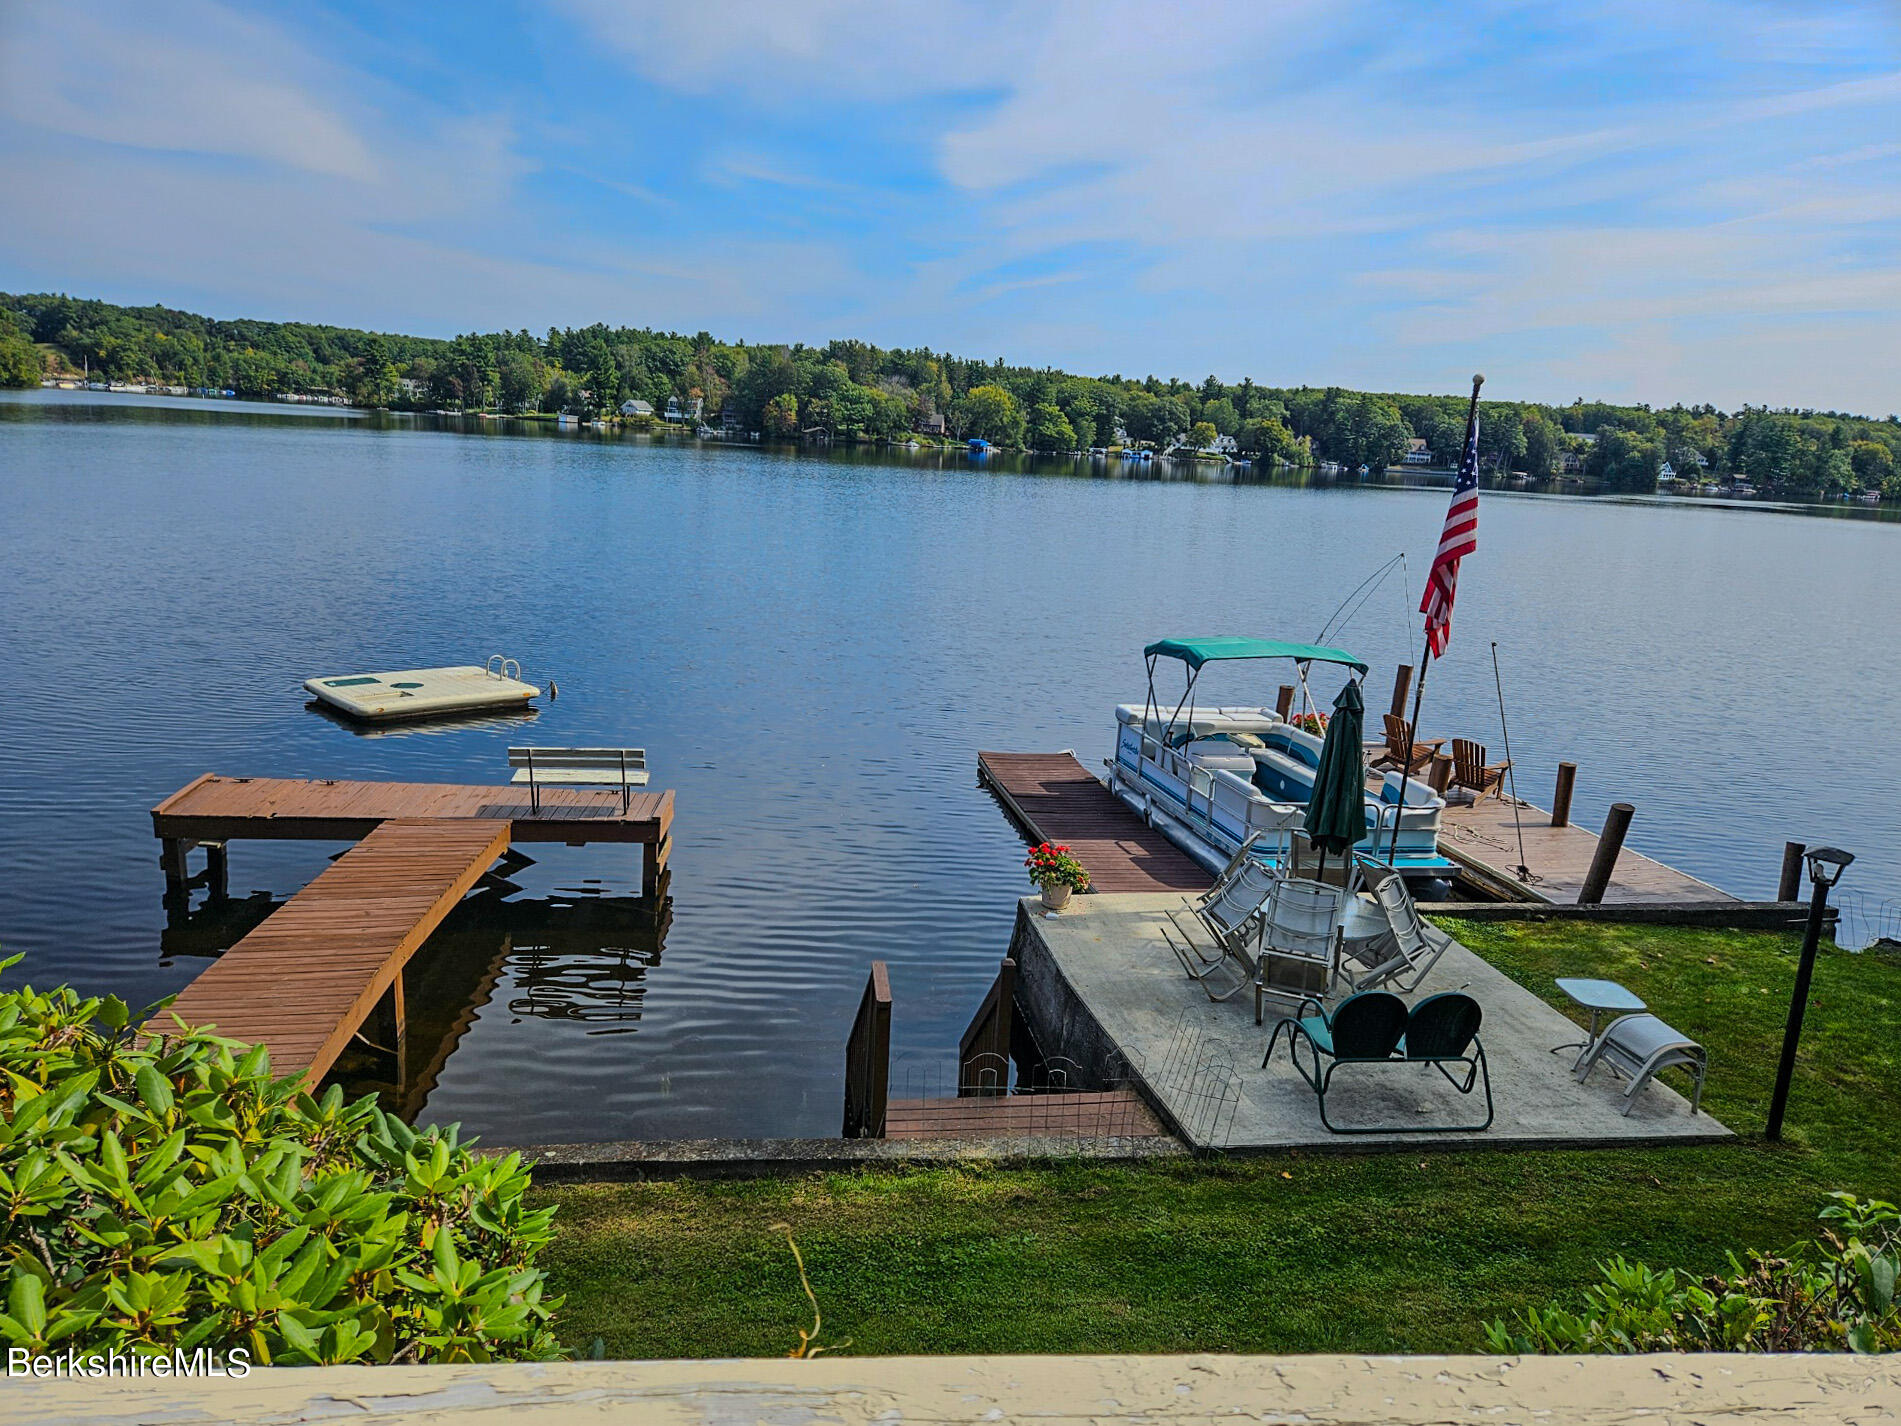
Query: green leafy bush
point(166, 1193)
point(1836, 1294)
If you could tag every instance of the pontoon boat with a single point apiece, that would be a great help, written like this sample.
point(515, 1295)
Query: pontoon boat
point(1210, 777)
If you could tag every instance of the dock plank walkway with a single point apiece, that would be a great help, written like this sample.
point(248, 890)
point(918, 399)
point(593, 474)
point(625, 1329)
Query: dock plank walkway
point(1054, 799)
point(304, 981)
point(1482, 838)
point(1105, 1114)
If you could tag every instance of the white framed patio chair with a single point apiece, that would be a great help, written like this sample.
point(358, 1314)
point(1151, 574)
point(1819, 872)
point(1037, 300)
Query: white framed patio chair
point(1213, 934)
point(1300, 942)
point(1405, 957)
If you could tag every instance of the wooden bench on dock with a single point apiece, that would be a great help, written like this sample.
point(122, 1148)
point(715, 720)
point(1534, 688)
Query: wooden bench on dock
point(622, 768)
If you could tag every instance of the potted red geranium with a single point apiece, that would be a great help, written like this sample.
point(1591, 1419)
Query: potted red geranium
point(1058, 873)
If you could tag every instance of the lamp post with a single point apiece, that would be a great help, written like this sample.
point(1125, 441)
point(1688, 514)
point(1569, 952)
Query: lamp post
point(1826, 865)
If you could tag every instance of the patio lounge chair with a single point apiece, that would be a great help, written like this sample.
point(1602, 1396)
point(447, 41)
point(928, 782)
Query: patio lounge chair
point(1300, 941)
point(1639, 1047)
point(1406, 957)
point(1472, 772)
point(1373, 1028)
point(1216, 928)
point(1398, 737)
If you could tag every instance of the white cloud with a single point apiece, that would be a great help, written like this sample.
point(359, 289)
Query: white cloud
point(776, 50)
point(186, 77)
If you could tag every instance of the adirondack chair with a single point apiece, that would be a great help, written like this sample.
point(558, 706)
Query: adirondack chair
point(1471, 771)
point(1398, 733)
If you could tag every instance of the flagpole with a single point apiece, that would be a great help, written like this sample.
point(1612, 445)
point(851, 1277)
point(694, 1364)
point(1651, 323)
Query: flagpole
point(1425, 657)
point(1412, 732)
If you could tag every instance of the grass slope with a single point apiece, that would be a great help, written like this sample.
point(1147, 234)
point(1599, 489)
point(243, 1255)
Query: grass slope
point(1289, 1253)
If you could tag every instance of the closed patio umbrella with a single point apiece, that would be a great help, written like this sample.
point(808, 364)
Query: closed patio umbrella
point(1336, 816)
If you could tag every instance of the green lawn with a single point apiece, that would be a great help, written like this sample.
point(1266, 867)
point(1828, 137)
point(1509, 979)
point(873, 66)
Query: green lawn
point(1290, 1253)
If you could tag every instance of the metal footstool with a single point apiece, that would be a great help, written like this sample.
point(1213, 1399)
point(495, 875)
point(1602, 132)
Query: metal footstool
point(1639, 1046)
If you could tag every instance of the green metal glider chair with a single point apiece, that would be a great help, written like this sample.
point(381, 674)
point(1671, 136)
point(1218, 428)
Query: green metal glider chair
point(1374, 1028)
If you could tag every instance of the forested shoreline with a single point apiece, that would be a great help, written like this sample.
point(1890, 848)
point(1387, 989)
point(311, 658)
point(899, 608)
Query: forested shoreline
point(850, 390)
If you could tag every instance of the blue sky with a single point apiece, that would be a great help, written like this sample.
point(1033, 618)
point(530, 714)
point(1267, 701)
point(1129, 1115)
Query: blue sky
point(1686, 201)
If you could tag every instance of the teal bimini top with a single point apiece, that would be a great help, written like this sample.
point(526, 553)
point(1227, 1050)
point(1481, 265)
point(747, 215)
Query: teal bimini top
point(1196, 652)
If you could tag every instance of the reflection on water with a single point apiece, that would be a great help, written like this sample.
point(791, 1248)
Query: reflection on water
point(576, 957)
point(812, 648)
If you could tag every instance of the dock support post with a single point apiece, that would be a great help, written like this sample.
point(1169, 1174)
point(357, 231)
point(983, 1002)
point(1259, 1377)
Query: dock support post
point(988, 1038)
point(1402, 685)
point(1285, 703)
point(868, 1059)
point(1790, 887)
point(1561, 799)
point(1440, 777)
point(218, 870)
point(1609, 843)
point(653, 865)
point(171, 856)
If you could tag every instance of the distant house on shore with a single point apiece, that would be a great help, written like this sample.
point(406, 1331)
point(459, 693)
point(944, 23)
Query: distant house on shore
point(731, 424)
point(931, 425)
point(1417, 452)
point(687, 409)
point(636, 407)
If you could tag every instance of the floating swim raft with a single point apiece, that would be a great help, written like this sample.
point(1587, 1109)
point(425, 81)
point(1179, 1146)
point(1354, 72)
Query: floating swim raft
point(496, 686)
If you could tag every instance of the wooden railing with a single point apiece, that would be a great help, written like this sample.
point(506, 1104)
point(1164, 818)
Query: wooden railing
point(868, 1059)
point(983, 1055)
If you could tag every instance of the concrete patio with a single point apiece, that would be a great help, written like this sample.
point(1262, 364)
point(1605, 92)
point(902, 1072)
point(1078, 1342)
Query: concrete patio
point(1103, 989)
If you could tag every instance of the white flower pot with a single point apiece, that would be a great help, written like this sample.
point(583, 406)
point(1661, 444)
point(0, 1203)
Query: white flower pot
point(1056, 894)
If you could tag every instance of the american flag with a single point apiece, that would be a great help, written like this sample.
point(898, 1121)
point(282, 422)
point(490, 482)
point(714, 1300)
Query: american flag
point(1459, 538)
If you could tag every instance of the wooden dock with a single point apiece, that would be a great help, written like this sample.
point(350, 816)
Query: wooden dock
point(1484, 841)
point(212, 810)
point(1053, 798)
point(304, 981)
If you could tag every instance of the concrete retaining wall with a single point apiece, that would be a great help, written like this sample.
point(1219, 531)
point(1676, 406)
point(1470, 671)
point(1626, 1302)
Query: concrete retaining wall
point(1051, 1391)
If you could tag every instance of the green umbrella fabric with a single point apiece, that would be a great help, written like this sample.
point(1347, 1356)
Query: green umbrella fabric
point(1336, 816)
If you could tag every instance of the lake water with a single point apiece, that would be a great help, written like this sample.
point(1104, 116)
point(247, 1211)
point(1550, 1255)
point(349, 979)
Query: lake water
point(812, 649)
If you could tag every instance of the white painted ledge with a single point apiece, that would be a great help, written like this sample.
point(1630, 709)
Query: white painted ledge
point(1049, 1391)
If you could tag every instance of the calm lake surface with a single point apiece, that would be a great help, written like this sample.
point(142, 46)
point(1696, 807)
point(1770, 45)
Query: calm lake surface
point(812, 649)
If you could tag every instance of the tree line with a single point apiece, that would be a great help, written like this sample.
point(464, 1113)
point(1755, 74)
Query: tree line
point(851, 390)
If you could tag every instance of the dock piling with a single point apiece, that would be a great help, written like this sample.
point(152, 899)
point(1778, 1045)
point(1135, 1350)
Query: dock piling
point(1402, 685)
point(868, 1060)
point(1440, 776)
point(988, 1038)
point(1789, 888)
point(172, 852)
point(1285, 703)
point(1609, 843)
point(1561, 798)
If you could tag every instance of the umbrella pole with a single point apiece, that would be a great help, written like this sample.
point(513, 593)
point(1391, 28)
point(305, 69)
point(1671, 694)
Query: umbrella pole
point(1412, 732)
